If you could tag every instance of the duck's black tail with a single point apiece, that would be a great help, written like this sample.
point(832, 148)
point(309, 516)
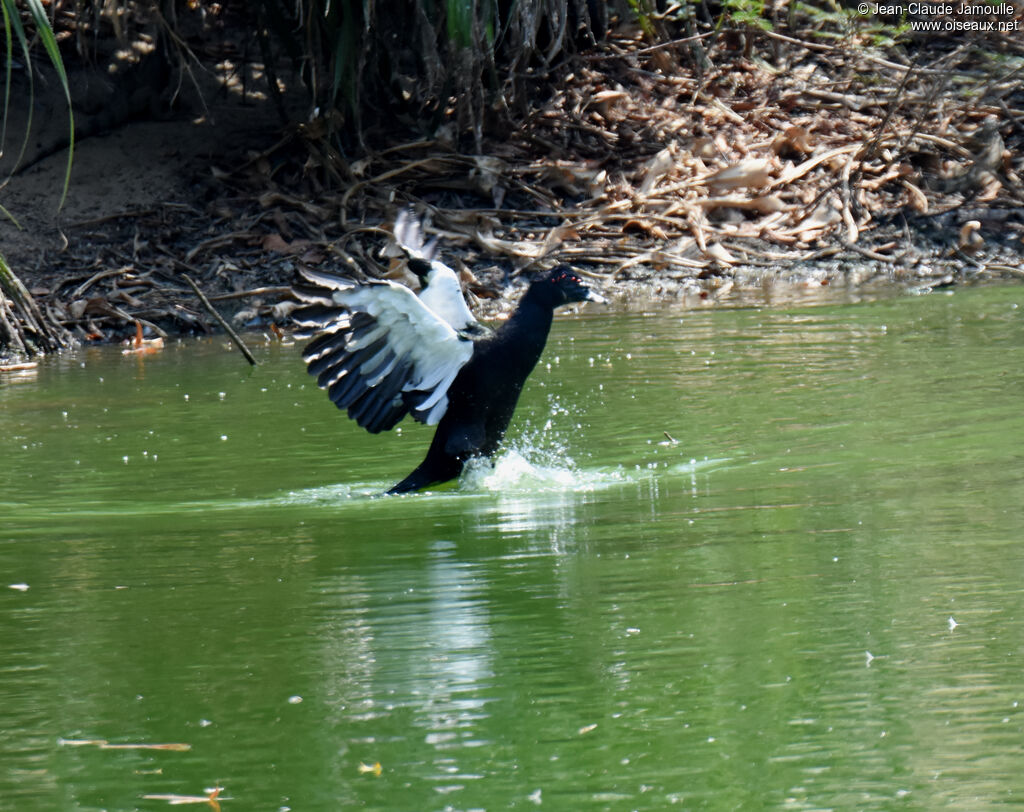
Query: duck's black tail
point(432, 471)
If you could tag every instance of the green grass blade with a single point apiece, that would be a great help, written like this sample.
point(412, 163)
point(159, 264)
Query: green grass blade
point(46, 36)
point(12, 25)
point(10, 217)
point(459, 17)
point(8, 64)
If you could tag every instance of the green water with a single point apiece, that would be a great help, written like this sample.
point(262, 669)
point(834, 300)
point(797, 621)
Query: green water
point(812, 599)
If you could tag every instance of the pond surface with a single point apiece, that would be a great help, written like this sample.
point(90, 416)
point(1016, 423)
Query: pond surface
point(736, 559)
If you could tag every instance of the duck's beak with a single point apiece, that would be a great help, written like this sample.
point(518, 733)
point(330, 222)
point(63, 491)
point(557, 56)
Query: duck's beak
point(594, 296)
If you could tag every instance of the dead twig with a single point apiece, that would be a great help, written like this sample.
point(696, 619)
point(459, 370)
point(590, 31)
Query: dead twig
point(221, 320)
point(96, 277)
point(244, 294)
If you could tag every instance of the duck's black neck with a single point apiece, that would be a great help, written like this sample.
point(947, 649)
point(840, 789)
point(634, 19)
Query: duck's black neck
point(528, 327)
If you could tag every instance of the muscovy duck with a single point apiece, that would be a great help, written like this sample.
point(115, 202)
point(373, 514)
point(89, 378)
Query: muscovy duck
point(381, 352)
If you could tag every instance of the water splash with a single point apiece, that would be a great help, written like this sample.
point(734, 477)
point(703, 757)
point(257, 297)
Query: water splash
point(537, 464)
point(539, 460)
point(524, 471)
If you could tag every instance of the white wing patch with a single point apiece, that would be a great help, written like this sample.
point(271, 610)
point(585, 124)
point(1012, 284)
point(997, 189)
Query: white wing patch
point(380, 351)
point(443, 295)
point(443, 292)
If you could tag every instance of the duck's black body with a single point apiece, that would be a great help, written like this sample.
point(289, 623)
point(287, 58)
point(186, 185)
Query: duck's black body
point(483, 397)
point(382, 353)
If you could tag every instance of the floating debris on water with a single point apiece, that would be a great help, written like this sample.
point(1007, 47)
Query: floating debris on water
point(25, 366)
point(103, 744)
point(212, 797)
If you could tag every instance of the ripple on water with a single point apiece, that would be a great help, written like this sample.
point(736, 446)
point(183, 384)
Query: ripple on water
point(520, 471)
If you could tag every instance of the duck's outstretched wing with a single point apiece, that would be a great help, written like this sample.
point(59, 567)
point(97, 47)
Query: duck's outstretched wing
point(378, 350)
point(442, 291)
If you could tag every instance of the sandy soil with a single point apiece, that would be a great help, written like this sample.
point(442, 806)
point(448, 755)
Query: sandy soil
point(136, 166)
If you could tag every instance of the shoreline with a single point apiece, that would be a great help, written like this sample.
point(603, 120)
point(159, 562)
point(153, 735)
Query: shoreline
point(629, 167)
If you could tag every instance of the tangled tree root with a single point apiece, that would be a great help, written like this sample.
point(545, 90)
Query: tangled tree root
point(24, 329)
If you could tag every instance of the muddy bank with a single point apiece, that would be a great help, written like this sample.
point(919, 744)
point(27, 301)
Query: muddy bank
point(649, 178)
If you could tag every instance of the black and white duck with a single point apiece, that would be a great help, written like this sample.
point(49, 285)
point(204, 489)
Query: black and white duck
point(383, 352)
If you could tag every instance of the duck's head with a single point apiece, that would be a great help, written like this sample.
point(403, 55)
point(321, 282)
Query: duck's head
point(423, 268)
point(562, 285)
